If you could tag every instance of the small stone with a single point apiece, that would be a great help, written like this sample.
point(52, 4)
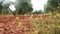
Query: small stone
point(1, 30)
point(1, 24)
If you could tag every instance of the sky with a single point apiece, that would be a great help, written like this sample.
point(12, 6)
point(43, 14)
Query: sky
point(37, 4)
point(12, 0)
point(12, 7)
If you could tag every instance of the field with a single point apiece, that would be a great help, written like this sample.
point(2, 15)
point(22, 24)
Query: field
point(30, 24)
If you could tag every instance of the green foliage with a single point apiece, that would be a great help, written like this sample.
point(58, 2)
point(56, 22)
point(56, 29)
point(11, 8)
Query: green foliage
point(25, 8)
point(1, 7)
point(52, 6)
point(47, 24)
point(4, 7)
point(38, 12)
point(57, 31)
point(22, 7)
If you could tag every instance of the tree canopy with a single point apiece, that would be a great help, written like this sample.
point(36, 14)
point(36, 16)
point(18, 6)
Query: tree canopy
point(38, 12)
point(53, 6)
point(25, 8)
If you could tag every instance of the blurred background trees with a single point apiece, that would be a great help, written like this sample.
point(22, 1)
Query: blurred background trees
point(25, 7)
point(4, 7)
point(1, 7)
point(38, 12)
point(52, 6)
point(22, 7)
